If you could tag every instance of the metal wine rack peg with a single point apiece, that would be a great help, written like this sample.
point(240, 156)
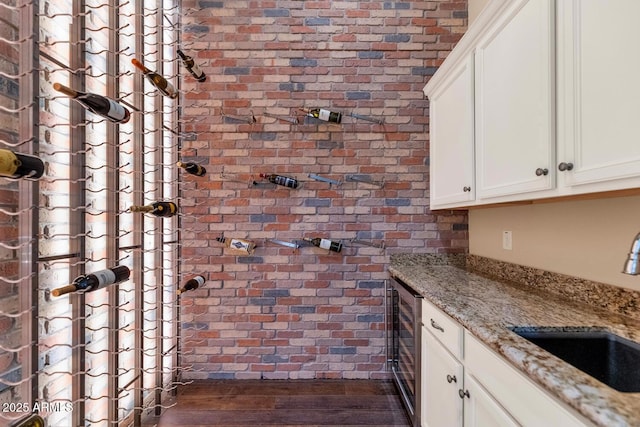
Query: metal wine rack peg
point(293, 245)
point(232, 178)
point(327, 180)
point(293, 120)
point(249, 120)
point(366, 118)
point(255, 183)
point(368, 243)
point(304, 244)
point(364, 179)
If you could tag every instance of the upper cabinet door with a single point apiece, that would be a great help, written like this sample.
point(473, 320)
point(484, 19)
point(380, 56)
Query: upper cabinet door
point(451, 137)
point(599, 91)
point(515, 134)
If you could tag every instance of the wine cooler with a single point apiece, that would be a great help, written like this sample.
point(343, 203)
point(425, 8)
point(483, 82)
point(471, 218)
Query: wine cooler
point(403, 311)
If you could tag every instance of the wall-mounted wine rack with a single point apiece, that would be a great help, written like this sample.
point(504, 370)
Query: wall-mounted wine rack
point(110, 356)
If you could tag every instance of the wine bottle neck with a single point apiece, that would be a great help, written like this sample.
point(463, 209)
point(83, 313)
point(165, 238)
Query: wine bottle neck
point(181, 54)
point(9, 163)
point(66, 90)
point(148, 208)
point(63, 290)
point(140, 66)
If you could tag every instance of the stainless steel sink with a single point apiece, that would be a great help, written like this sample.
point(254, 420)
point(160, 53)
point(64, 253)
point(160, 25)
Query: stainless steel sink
point(607, 357)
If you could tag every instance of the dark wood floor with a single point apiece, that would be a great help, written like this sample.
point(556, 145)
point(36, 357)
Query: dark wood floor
point(286, 403)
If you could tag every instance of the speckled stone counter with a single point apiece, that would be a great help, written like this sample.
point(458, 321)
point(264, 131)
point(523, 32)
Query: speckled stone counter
point(487, 307)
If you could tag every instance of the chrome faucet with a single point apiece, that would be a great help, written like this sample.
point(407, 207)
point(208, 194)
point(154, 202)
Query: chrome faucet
point(632, 265)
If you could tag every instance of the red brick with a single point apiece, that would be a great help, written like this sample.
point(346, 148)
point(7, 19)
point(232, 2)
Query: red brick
point(355, 70)
point(243, 342)
point(262, 318)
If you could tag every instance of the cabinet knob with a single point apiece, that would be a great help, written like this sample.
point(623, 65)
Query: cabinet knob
point(451, 379)
point(565, 166)
point(463, 393)
point(466, 189)
point(540, 171)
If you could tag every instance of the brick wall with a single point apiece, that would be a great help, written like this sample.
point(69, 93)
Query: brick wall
point(282, 313)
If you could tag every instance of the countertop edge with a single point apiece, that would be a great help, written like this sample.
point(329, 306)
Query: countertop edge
point(522, 357)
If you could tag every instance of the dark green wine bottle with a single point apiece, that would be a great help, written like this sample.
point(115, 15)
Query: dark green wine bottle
point(327, 244)
point(192, 168)
point(160, 209)
point(96, 280)
point(285, 181)
point(325, 115)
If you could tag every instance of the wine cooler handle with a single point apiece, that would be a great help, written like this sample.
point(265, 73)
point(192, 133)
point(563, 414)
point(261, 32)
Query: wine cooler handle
point(434, 325)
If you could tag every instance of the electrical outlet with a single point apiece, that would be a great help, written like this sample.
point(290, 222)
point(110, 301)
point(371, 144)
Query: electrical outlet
point(507, 240)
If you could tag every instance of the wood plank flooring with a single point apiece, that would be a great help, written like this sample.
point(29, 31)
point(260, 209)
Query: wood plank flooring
point(285, 404)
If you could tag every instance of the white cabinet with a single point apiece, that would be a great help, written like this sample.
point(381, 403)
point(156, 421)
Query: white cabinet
point(466, 384)
point(442, 376)
point(515, 135)
point(555, 103)
point(451, 160)
point(450, 397)
point(599, 93)
point(525, 401)
point(481, 409)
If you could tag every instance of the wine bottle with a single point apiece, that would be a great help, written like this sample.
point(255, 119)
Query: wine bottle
point(324, 243)
point(192, 168)
point(160, 209)
point(94, 281)
point(192, 67)
point(18, 165)
point(325, 115)
point(97, 104)
point(192, 284)
point(35, 420)
point(281, 180)
point(157, 80)
point(243, 245)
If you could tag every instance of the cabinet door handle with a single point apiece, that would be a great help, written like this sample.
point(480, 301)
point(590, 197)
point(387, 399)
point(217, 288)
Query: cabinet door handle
point(466, 189)
point(540, 171)
point(565, 166)
point(434, 325)
point(463, 393)
point(451, 379)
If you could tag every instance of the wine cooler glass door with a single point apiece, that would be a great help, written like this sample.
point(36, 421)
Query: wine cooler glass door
point(405, 345)
point(405, 365)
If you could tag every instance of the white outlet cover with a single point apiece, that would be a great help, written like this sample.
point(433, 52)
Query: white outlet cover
point(507, 240)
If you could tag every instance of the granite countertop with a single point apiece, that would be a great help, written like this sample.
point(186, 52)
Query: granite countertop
point(487, 307)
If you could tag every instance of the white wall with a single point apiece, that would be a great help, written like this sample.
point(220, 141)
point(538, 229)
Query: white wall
point(588, 238)
point(475, 7)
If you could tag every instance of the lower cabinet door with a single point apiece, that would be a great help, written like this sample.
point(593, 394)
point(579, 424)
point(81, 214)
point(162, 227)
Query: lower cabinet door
point(442, 376)
point(481, 409)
